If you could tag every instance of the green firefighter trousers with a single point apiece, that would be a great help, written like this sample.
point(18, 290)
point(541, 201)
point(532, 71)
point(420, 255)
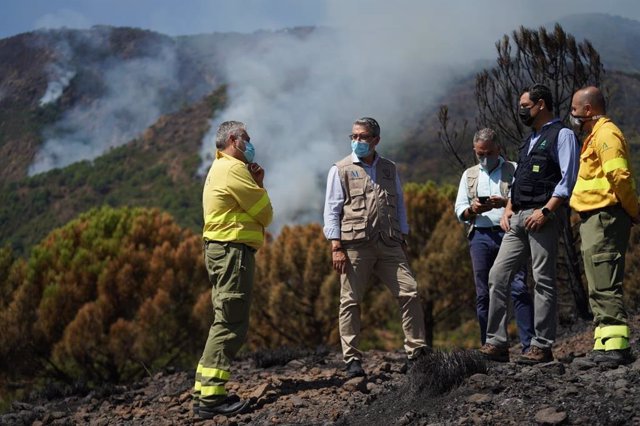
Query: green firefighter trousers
point(231, 269)
point(605, 238)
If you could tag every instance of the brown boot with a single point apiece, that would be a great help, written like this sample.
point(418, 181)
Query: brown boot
point(535, 355)
point(495, 353)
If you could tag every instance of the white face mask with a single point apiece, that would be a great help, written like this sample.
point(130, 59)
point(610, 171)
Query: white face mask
point(577, 121)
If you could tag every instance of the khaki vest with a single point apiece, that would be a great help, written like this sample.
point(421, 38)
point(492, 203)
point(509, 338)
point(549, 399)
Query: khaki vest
point(369, 208)
point(506, 177)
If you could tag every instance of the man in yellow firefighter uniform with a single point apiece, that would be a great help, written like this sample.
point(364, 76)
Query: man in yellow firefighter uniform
point(236, 211)
point(605, 197)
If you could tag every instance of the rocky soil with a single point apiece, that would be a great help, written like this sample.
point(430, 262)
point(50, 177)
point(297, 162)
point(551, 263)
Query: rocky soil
point(446, 388)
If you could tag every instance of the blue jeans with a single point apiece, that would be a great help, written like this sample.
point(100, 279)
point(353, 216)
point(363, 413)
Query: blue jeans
point(484, 246)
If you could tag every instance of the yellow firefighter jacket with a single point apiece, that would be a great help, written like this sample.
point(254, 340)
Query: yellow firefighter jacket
point(235, 208)
point(605, 177)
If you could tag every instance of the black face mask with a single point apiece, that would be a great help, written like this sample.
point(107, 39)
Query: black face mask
point(525, 116)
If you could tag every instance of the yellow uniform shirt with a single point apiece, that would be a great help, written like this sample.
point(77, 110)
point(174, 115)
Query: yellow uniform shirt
point(605, 177)
point(235, 208)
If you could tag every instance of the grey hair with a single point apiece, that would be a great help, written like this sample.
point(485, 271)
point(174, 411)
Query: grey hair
point(370, 123)
point(226, 129)
point(486, 134)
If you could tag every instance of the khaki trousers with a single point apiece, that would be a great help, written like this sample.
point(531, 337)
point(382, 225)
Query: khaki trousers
point(390, 265)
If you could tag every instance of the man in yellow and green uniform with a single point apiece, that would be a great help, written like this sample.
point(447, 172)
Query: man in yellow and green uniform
point(236, 211)
point(605, 197)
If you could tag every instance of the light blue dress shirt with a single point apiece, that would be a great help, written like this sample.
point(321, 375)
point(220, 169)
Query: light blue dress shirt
point(334, 199)
point(488, 185)
point(567, 154)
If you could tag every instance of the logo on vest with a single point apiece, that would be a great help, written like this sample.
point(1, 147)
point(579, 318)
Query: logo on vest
point(543, 144)
point(536, 168)
point(354, 173)
point(386, 173)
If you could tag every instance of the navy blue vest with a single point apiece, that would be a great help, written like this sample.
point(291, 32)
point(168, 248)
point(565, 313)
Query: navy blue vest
point(538, 171)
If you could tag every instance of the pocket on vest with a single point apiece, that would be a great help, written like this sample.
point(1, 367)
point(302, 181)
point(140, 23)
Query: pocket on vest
point(357, 201)
point(353, 231)
point(391, 199)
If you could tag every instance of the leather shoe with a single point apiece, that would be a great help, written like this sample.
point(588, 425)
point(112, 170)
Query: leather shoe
point(229, 406)
point(495, 353)
point(535, 355)
point(354, 369)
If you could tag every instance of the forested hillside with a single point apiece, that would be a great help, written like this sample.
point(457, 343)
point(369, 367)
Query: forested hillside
point(157, 169)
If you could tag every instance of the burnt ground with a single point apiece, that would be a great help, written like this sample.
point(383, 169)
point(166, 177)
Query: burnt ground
point(446, 388)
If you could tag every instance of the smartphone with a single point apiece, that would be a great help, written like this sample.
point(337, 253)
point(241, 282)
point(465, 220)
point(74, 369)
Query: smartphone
point(483, 200)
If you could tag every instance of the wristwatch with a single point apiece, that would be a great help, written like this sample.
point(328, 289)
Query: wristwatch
point(545, 212)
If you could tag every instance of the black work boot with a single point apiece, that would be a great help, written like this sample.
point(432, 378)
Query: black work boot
point(613, 358)
point(354, 369)
point(229, 406)
point(587, 362)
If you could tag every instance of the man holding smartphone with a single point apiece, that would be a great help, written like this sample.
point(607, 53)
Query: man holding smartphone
point(482, 196)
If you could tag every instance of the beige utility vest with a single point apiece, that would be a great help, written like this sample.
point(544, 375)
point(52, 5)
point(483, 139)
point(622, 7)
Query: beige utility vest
point(370, 209)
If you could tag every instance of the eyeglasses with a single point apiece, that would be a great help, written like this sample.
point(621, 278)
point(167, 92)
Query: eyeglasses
point(364, 137)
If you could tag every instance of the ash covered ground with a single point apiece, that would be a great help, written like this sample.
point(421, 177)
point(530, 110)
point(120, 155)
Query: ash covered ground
point(454, 387)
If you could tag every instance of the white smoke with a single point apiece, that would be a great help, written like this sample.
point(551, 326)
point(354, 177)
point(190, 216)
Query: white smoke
point(389, 60)
point(132, 101)
point(300, 95)
point(59, 80)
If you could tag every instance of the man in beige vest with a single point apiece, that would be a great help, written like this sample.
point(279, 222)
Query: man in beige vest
point(366, 222)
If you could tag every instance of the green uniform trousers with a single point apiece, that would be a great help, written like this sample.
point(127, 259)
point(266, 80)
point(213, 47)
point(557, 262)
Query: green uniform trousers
point(605, 238)
point(231, 269)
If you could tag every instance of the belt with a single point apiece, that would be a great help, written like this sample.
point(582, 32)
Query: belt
point(231, 244)
point(516, 209)
point(489, 229)
point(610, 209)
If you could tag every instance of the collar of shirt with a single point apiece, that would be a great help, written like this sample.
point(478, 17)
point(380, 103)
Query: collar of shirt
point(220, 154)
point(356, 159)
point(596, 127)
point(535, 136)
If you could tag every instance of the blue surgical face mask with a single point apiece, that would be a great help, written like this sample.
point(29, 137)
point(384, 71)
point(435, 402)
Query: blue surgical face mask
point(249, 151)
point(488, 162)
point(360, 149)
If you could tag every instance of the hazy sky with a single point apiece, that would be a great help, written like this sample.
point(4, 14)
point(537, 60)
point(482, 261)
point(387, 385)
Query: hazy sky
point(177, 17)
